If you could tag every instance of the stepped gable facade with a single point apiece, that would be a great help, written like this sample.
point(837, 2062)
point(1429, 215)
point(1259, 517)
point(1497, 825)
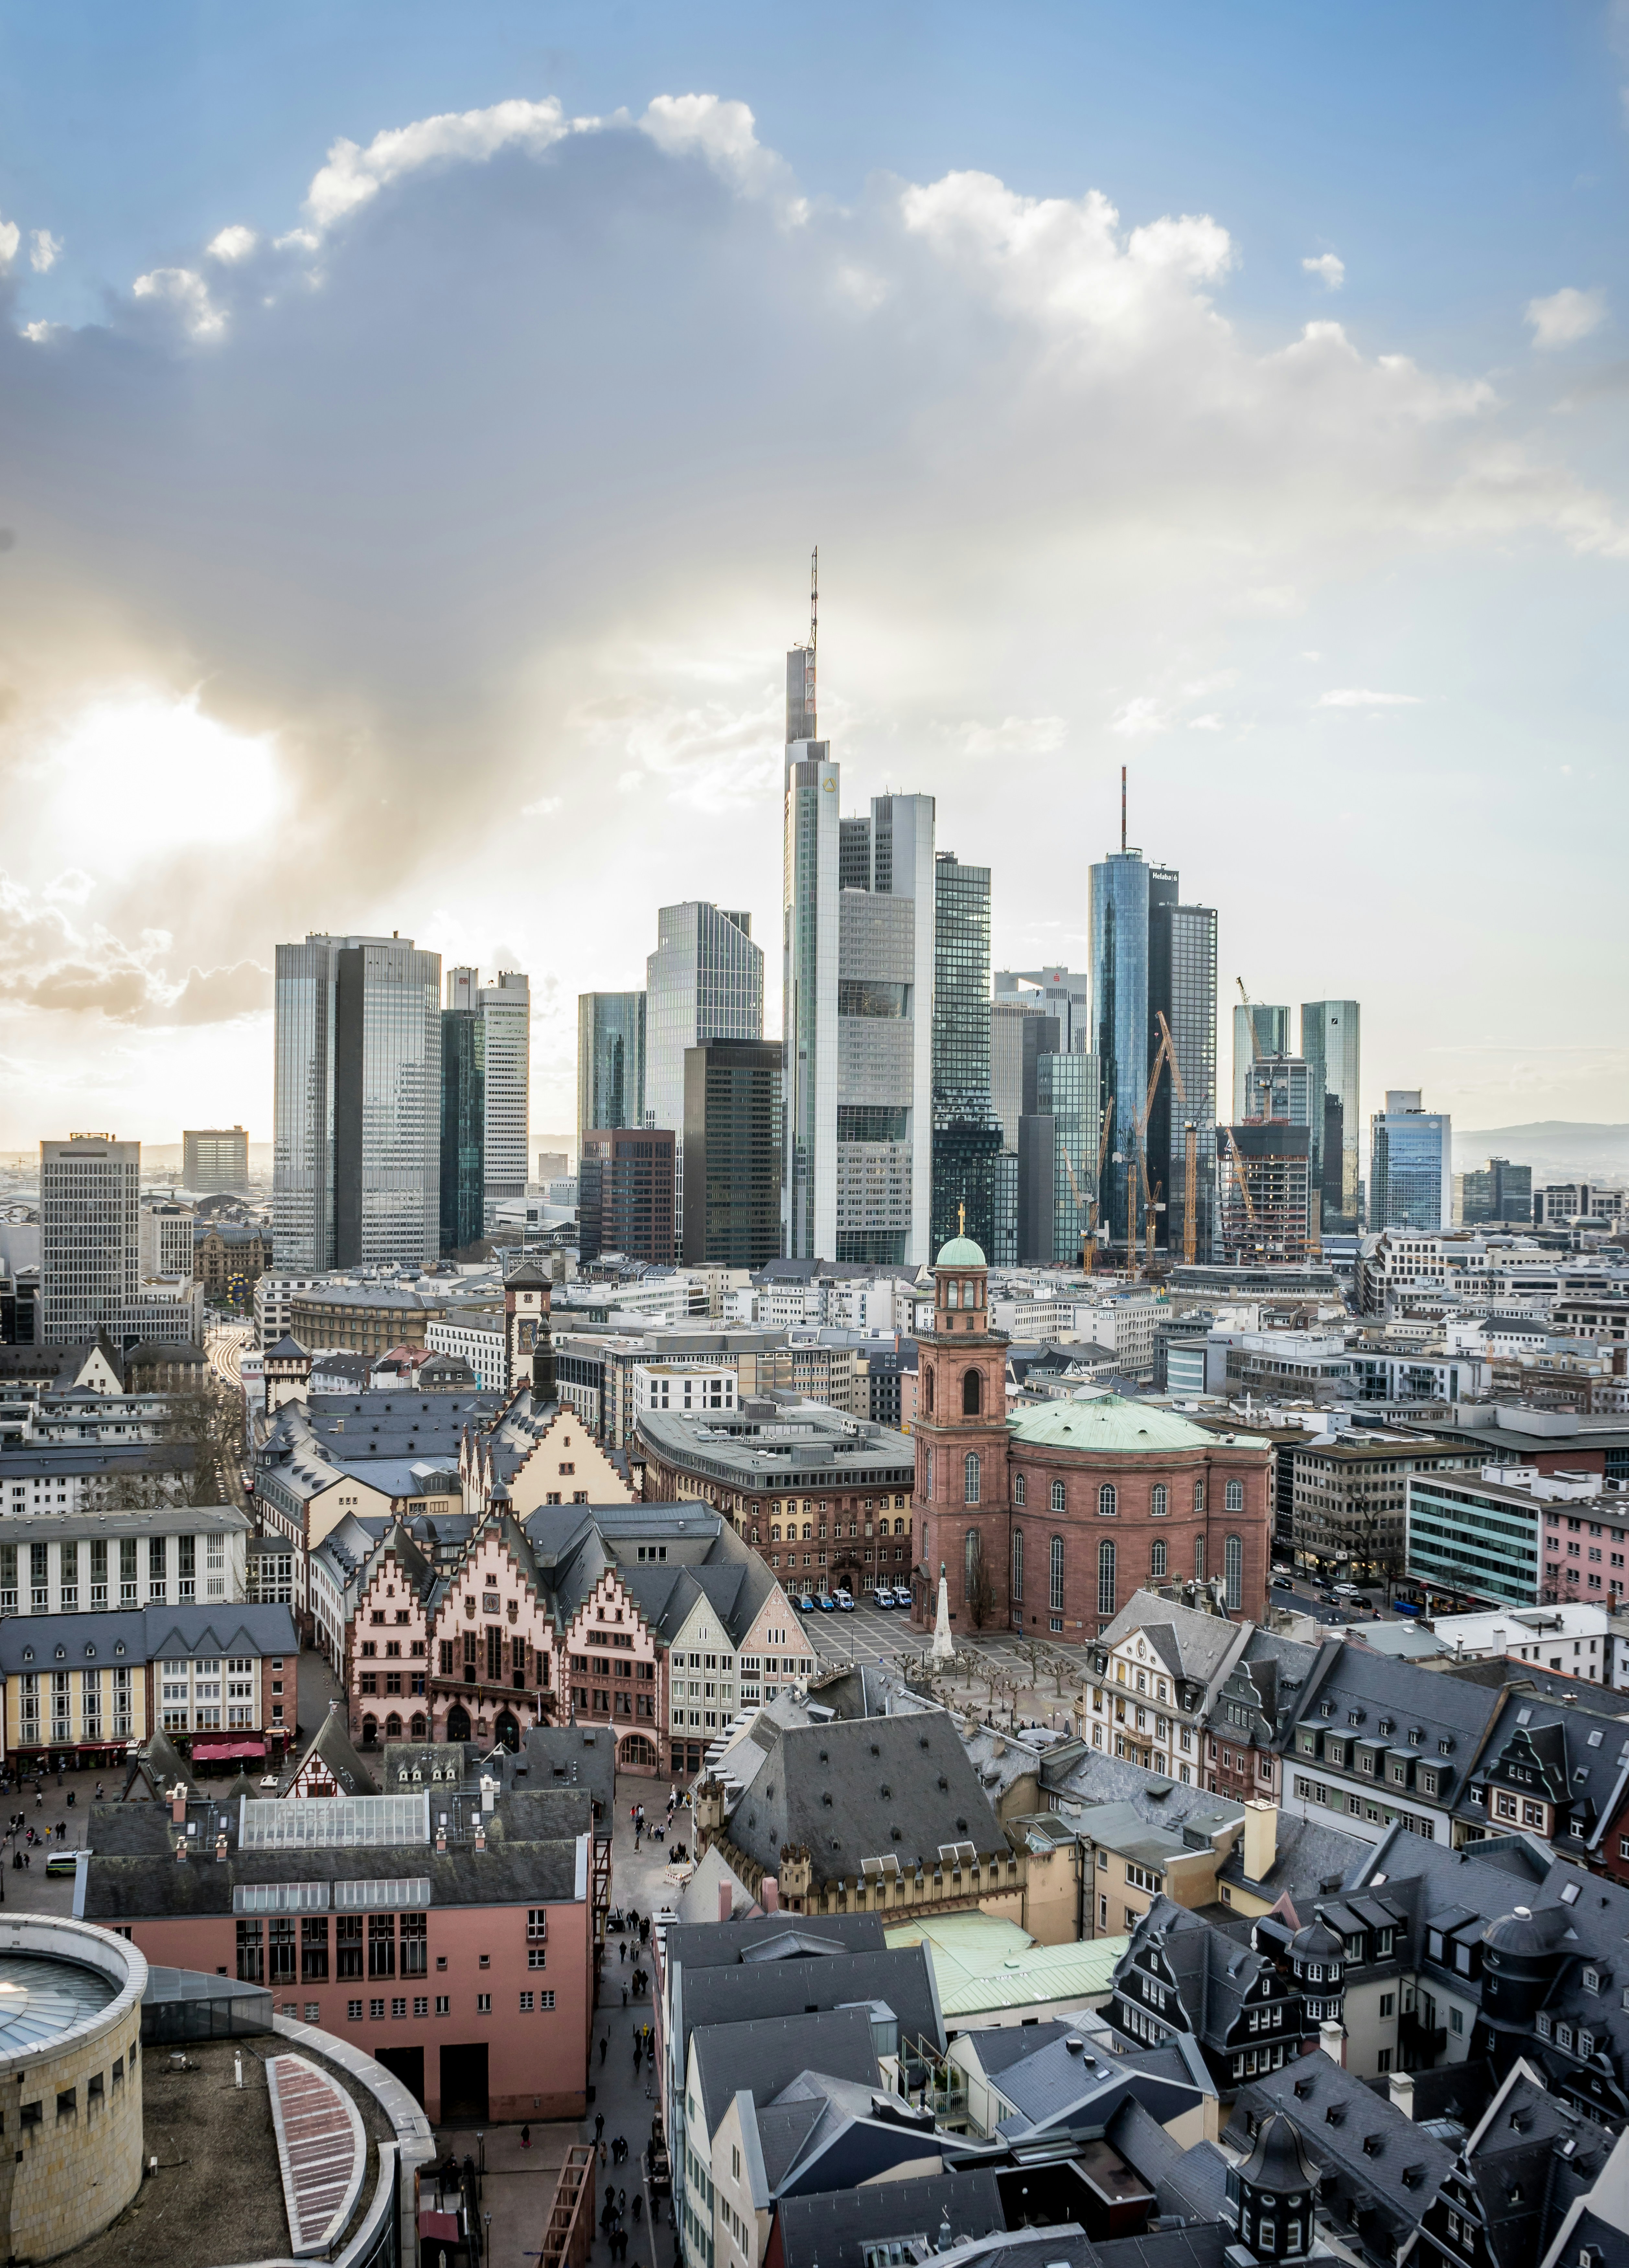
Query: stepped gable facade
point(1049, 1521)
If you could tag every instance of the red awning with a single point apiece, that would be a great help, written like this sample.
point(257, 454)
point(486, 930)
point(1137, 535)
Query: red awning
point(222, 1747)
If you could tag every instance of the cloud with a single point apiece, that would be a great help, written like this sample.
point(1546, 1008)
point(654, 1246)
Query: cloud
point(184, 290)
point(1354, 697)
point(1565, 317)
point(354, 176)
point(1328, 267)
point(42, 257)
point(49, 962)
point(1207, 724)
point(544, 807)
point(1140, 719)
point(1014, 736)
point(11, 237)
point(233, 243)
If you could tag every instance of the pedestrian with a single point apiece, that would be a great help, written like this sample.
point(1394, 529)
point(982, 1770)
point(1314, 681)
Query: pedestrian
point(526, 2138)
point(621, 2203)
point(602, 2167)
point(639, 2207)
point(599, 2123)
point(639, 2057)
point(625, 1996)
point(603, 2045)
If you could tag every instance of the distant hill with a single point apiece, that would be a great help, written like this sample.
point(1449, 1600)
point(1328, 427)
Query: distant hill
point(1557, 1149)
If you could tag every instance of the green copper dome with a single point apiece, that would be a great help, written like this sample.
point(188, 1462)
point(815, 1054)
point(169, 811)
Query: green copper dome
point(960, 1252)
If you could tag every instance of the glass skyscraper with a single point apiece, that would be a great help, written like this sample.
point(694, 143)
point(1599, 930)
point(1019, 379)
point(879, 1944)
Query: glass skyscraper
point(1191, 1012)
point(705, 981)
point(1272, 1028)
point(1331, 1037)
point(462, 1128)
point(1119, 991)
point(966, 1131)
point(610, 1060)
point(357, 1139)
point(1411, 1183)
point(732, 1152)
point(505, 1012)
point(1058, 1159)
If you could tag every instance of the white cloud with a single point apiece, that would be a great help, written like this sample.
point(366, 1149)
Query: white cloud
point(42, 257)
point(723, 133)
point(233, 243)
point(353, 176)
point(185, 290)
point(1352, 696)
point(1329, 268)
point(11, 237)
point(1565, 317)
point(1137, 719)
point(543, 808)
point(1014, 736)
point(1208, 724)
point(39, 332)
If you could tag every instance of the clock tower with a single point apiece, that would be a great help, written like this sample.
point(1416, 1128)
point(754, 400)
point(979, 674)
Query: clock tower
point(959, 1514)
point(526, 1294)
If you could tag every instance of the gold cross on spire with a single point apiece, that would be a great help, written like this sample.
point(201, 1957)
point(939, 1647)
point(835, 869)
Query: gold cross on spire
point(961, 1220)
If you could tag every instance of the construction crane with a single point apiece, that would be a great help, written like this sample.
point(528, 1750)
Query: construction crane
point(1238, 1167)
point(1250, 1021)
point(1152, 1201)
point(1090, 1254)
point(1190, 1140)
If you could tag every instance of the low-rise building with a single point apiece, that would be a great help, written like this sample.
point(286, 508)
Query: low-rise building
point(476, 1336)
point(1350, 1499)
point(1518, 1537)
point(56, 1563)
point(228, 1258)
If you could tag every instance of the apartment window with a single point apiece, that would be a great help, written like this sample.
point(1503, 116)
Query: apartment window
point(314, 1949)
point(1055, 1599)
point(1105, 1577)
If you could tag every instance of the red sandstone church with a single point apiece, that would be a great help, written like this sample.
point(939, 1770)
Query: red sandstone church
point(1049, 1521)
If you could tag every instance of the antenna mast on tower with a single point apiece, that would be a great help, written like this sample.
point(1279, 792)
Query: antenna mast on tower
point(814, 597)
point(1122, 811)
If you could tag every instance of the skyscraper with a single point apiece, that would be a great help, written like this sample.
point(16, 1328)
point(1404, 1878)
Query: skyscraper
point(1272, 1038)
point(1331, 1037)
point(610, 1060)
point(1064, 993)
point(505, 1013)
point(705, 981)
point(356, 1139)
point(966, 1131)
point(214, 1159)
point(858, 961)
point(732, 1145)
point(1151, 956)
point(1013, 1022)
point(1411, 1177)
point(462, 1123)
point(1057, 1157)
point(90, 1235)
point(625, 1192)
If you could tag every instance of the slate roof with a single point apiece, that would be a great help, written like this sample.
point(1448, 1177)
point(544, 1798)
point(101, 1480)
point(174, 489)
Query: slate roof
point(998, 2046)
point(750, 1992)
point(39, 1642)
point(862, 1789)
point(765, 2057)
point(1311, 1861)
point(1572, 1751)
point(1191, 2182)
point(332, 1743)
point(1094, 1777)
point(1379, 2166)
point(834, 2229)
point(1194, 1645)
point(1528, 2161)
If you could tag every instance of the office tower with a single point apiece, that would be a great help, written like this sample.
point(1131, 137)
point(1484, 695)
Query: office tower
point(705, 981)
point(1064, 993)
point(1271, 1026)
point(357, 1139)
point(1496, 1192)
point(857, 1171)
point(505, 1012)
point(610, 1060)
point(624, 1193)
point(731, 1123)
point(463, 1120)
point(166, 1239)
point(966, 1131)
point(1280, 1087)
point(1013, 1022)
point(1182, 980)
point(1057, 1158)
point(552, 1165)
point(1151, 956)
point(1267, 1192)
point(90, 1235)
point(1331, 1038)
point(215, 1160)
point(1411, 1173)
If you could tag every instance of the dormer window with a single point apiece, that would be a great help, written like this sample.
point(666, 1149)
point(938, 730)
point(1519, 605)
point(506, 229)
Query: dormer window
point(1592, 1980)
point(1543, 2025)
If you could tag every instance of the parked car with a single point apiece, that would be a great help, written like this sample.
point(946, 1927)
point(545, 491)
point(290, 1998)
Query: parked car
point(1282, 1583)
point(826, 1603)
point(803, 1603)
point(845, 1603)
point(882, 1597)
point(902, 1596)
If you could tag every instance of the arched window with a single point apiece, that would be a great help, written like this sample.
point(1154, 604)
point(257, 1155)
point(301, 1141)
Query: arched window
point(972, 1390)
point(1057, 1496)
point(1105, 1577)
point(953, 1293)
point(1017, 1488)
point(1159, 1503)
point(1108, 1502)
point(392, 1726)
point(1198, 1494)
point(774, 1533)
point(1156, 1561)
point(1233, 1569)
point(1198, 1558)
point(969, 1477)
point(931, 1475)
point(808, 1531)
point(1017, 1564)
point(971, 1549)
point(1236, 1496)
point(1055, 1595)
point(898, 1528)
point(928, 1387)
point(420, 1726)
point(967, 1298)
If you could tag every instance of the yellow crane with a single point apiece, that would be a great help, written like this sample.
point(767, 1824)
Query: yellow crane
point(1191, 1143)
point(1163, 1055)
point(1238, 1167)
point(1250, 1021)
point(1089, 1255)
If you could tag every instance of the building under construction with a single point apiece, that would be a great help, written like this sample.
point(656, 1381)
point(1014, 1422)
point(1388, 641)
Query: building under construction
point(1266, 1171)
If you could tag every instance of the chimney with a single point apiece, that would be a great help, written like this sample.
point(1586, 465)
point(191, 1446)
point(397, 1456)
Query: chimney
point(726, 1901)
point(178, 1805)
point(180, 1851)
point(1332, 2040)
point(1260, 1839)
point(769, 1893)
point(1402, 2085)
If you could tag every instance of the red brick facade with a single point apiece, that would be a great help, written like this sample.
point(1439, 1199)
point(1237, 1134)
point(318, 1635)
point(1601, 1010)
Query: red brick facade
point(1038, 1535)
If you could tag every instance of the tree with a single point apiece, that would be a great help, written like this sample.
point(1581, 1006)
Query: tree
point(980, 1589)
point(208, 1420)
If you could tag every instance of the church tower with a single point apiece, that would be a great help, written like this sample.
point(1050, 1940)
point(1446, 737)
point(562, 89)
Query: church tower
point(526, 1294)
point(959, 1509)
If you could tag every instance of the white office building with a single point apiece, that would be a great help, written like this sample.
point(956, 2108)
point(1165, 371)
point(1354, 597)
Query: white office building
point(90, 1235)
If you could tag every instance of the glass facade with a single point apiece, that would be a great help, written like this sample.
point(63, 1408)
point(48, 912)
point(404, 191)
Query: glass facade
point(1331, 1038)
point(462, 1128)
point(1411, 1180)
point(356, 1154)
point(1058, 1159)
point(1191, 1015)
point(967, 1134)
point(90, 1234)
point(1271, 1027)
point(610, 1060)
point(1119, 991)
point(732, 1135)
point(705, 981)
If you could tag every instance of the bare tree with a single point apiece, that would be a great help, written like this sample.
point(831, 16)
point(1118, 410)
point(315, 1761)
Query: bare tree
point(208, 1420)
point(980, 1589)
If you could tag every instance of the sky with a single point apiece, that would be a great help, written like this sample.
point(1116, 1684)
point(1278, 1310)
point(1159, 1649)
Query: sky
point(415, 421)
